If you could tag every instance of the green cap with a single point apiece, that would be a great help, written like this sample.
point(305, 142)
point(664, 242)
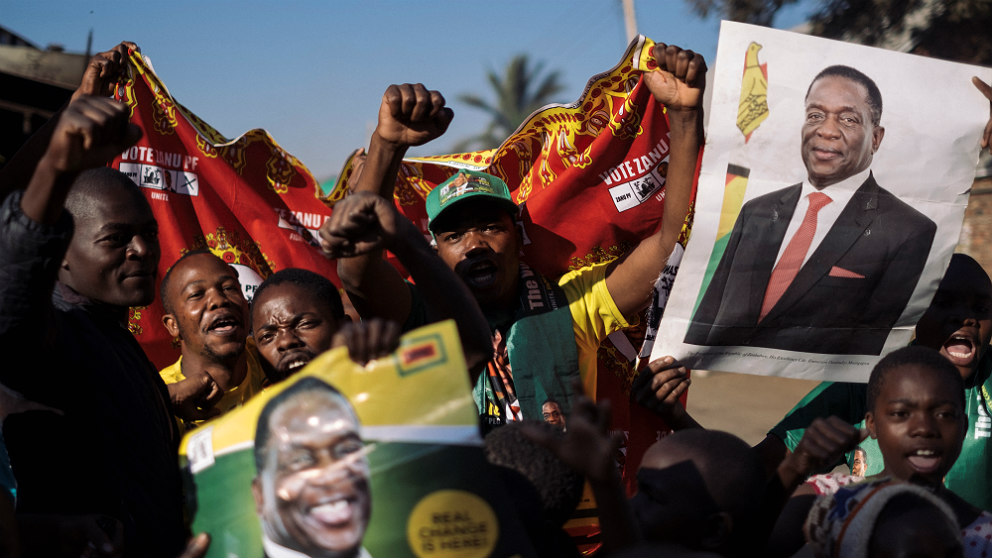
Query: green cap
point(464, 185)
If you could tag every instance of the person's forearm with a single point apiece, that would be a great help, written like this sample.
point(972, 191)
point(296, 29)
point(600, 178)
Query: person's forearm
point(618, 527)
point(44, 198)
point(364, 277)
point(382, 163)
point(631, 281)
point(375, 287)
point(686, 134)
point(446, 297)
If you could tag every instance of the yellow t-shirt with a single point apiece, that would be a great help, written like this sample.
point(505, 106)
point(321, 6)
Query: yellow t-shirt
point(594, 317)
point(235, 397)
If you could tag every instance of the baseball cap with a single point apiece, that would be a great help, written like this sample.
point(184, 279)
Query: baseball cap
point(464, 185)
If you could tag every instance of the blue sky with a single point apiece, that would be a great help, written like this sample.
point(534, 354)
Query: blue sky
point(312, 73)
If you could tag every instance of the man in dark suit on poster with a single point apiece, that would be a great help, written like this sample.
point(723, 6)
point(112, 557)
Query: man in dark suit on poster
point(827, 265)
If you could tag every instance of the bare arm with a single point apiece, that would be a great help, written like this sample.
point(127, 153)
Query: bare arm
point(787, 499)
point(89, 132)
point(678, 84)
point(658, 388)
point(409, 115)
point(364, 223)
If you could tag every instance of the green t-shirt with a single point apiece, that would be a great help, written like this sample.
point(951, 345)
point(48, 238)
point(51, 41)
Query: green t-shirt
point(971, 475)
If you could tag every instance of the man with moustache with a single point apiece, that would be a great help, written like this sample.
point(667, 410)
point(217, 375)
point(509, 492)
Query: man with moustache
point(828, 265)
point(207, 312)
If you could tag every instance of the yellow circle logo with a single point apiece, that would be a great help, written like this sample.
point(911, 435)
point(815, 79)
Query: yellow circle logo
point(452, 524)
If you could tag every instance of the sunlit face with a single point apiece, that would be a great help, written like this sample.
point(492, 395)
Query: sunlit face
point(114, 252)
point(958, 322)
point(313, 494)
point(919, 423)
point(553, 415)
point(209, 312)
point(838, 137)
point(291, 328)
point(479, 241)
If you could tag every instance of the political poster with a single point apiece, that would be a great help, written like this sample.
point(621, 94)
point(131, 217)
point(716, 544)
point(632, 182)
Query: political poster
point(830, 199)
point(343, 459)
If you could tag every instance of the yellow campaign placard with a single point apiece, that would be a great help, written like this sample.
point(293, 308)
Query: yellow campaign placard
point(383, 459)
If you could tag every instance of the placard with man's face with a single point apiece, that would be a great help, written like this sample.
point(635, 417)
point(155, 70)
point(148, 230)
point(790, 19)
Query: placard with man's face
point(830, 199)
point(343, 460)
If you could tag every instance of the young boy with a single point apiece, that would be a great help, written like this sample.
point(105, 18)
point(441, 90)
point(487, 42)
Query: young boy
point(917, 414)
point(958, 324)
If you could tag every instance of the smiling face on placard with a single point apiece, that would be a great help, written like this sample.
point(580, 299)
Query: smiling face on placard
point(312, 494)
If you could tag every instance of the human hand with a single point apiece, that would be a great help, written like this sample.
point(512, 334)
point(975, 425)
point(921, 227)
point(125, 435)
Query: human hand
point(361, 223)
point(104, 70)
point(679, 81)
point(823, 443)
point(410, 114)
point(986, 90)
point(196, 547)
point(587, 446)
point(659, 386)
point(368, 340)
point(89, 132)
point(194, 398)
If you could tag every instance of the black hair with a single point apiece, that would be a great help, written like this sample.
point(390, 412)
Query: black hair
point(91, 183)
point(559, 487)
point(262, 432)
point(917, 355)
point(874, 95)
point(318, 285)
point(164, 287)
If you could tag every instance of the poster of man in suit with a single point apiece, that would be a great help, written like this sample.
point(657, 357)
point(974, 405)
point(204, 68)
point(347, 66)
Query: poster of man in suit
point(813, 262)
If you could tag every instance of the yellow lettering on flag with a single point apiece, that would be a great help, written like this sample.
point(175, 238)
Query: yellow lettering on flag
point(753, 107)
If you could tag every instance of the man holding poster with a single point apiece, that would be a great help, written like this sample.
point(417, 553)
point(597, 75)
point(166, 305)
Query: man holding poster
point(827, 265)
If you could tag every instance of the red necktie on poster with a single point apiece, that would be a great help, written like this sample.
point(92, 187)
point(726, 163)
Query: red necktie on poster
point(794, 255)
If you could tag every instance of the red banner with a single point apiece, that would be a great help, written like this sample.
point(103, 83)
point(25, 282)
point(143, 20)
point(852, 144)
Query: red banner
point(246, 200)
point(589, 175)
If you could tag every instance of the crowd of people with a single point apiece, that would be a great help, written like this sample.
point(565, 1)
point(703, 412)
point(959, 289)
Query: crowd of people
point(92, 429)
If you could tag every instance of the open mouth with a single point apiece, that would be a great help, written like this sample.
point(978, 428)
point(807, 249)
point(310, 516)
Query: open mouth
point(959, 349)
point(295, 361)
point(224, 325)
point(481, 274)
point(924, 460)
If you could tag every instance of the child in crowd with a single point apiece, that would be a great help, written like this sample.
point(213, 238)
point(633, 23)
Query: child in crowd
point(699, 491)
point(916, 412)
point(958, 324)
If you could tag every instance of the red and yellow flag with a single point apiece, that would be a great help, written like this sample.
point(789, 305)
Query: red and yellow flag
point(589, 175)
point(246, 200)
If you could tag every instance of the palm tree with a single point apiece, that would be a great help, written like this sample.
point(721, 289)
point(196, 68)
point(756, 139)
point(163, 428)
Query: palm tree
point(519, 93)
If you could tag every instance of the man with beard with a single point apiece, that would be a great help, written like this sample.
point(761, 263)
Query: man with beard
point(207, 312)
point(312, 484)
